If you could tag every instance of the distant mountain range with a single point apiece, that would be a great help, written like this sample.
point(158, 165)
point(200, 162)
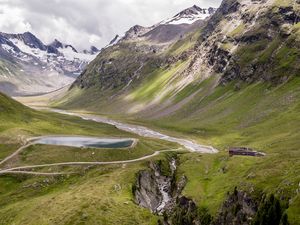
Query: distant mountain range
point(28, 66)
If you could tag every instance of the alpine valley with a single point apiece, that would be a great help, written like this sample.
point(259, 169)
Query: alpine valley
point(192, 121)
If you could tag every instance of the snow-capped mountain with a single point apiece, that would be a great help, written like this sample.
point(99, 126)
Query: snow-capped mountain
point(49, 66)
point(190, 15)
point(174, 27)
point(153, 45)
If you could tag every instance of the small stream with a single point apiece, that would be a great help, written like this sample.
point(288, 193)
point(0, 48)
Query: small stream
point(144, 132)
point(164, 188)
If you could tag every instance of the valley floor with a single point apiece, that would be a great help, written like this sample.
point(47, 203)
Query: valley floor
point(64, 193)
point(258, 116)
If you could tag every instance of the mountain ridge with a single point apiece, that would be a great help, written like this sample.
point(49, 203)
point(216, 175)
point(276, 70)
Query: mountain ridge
point(185, 17)
point(237, 52)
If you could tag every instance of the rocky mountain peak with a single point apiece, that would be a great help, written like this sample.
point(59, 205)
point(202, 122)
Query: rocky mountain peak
point(31, 40)
point(114, 40)
point(135, 31)
point(28, 38)
point(194, 10)
point(191, 15)
point(56, 44)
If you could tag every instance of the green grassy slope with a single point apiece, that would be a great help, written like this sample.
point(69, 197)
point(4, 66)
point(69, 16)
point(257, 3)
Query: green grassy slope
point(100, 196)
point(94, 195)
point(260, 116)
point(256, 109)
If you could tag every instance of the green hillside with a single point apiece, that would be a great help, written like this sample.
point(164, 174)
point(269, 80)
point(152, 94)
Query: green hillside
point(90, 195)
point(234, 81)
point(244, 91)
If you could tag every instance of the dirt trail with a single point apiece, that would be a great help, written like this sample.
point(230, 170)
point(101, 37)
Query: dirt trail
point(20, 170)
point(15, 153)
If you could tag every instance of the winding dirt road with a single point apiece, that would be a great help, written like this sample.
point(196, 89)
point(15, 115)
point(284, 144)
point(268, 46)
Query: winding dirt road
point(15, 153)
point(20, 170)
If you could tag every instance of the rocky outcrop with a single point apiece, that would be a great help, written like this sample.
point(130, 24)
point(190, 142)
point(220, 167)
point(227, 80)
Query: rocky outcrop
point(146, 191)
point(155, 188)
point(242, 208)
point(158, 190)
point(246, 40)
point(239, 208)
point(185, 212)
point(135, 32)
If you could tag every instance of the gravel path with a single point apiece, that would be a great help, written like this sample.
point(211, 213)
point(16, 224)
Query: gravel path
point(20, 169)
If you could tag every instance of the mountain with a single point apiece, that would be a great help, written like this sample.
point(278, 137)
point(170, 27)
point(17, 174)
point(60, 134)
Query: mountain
point(127, 57)
point(242, 41)
point(229, 80)
point(190, 15)
point(171, 28)
point(23, 58)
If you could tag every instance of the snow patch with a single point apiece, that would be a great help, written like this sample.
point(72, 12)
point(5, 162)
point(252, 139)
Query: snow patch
point(7, 47)
point(186, 20)
point(70, 54)
point(189, 17)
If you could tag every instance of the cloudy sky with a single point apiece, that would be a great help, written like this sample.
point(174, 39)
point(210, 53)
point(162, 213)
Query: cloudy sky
point(87, 22)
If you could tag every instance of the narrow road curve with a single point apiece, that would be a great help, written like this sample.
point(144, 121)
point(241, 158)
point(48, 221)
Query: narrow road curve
point(144, 132)
point(17, 170)
point(15, 153)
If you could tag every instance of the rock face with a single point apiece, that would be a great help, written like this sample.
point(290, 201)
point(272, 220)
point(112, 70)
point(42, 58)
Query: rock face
point(154, 188)
point(239, 208)
point(242, 208)
point(147, 193)
point(158, 190)
point(24, 58)
point(185, 212)
point(250, 47)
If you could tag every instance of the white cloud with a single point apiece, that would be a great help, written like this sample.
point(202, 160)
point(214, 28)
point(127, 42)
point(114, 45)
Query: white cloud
point(87, 22)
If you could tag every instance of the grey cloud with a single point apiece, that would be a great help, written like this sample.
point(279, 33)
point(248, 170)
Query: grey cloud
point(86, 22)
